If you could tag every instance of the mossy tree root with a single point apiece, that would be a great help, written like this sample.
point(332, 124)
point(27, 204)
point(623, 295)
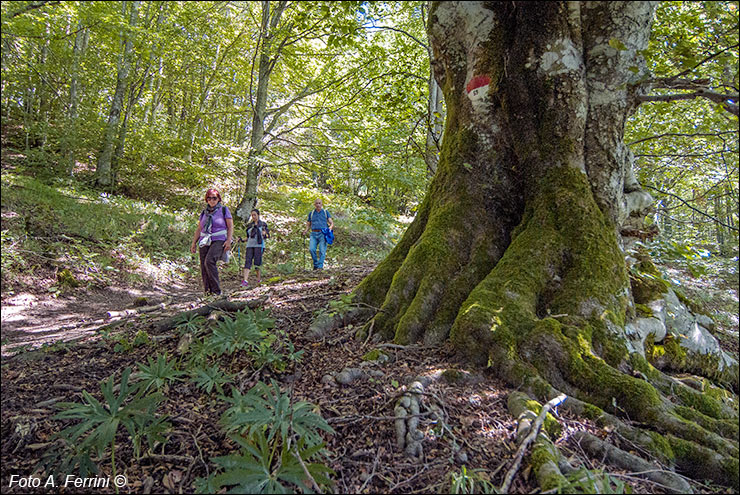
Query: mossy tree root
point(561, 262)
point(622, 459)
point(551, 315)
point(546, 309)
point(424, 297)
point(686, 437)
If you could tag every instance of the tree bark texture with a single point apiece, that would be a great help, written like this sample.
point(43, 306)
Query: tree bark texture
point(267, 62)
point(515, 254)
point(104, 170)
point(435, 111)
point(69, 141)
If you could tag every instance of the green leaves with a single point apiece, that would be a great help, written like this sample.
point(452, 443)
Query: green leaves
point(473, 481)
point(244, 332)
point(340, 306)
point(99, 421)
point(190, 323)
point(592, 481)
point(266, 408)
point(157, 374)
point(684, 149)
point(264, 422)
point(256, 468)
point(210, 377)
point(617, 44)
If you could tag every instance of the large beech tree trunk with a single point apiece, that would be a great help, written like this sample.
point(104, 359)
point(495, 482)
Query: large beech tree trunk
point(515, 254)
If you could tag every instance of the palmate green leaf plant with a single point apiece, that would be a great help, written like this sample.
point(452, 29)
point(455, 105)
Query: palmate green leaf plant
point(265, 356)
point(100, 421)
point(246, 331)
point(209, 377)
point(157, 374)
point(266, 408)
point(264, 466)
point(190, 323)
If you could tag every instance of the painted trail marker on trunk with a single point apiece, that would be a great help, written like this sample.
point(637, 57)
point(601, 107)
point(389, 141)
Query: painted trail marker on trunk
point(477, 89)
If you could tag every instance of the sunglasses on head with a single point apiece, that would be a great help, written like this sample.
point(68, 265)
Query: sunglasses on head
point(211, 197)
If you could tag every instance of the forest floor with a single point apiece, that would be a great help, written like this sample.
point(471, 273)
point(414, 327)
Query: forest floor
point(479, 432)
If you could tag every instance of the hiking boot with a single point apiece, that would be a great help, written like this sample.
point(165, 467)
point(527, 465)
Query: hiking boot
point(245, 283)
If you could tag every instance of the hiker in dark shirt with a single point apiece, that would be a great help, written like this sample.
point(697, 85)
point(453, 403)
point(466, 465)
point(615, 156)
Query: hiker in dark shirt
point(212, 237)
point(257, 232)
point(318, 219)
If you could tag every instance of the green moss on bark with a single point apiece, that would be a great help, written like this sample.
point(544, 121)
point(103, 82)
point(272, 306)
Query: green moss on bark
point(561, 261)
point(727, 428)
point(703, 403)
point(544, 462)
point(592, 412)
point(519, 403)
point(644, 311)
point(451, 250)
point(672, 356)
point(646, 280)
point(702, 463)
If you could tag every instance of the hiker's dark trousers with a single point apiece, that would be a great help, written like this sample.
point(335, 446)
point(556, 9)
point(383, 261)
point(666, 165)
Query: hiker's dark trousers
point(253, 254)
point(208, 269)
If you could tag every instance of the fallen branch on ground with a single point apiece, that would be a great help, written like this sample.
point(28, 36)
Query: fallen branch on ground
point(135, 311)
point(533, 432)
point(223, 304)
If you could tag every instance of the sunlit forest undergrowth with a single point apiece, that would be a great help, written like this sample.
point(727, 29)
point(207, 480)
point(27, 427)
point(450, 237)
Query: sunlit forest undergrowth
point(62, 236)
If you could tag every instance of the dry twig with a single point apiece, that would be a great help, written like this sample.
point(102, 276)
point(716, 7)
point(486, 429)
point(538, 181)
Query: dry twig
point(536, 426)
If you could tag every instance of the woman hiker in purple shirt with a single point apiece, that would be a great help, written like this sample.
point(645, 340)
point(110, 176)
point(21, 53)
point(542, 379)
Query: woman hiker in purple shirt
point(213, 237)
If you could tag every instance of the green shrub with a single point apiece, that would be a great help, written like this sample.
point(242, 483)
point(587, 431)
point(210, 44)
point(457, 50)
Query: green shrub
point(277, 439)
point(99, 424)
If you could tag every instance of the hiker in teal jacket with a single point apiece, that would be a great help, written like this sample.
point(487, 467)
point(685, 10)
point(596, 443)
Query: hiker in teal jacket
point(318, 219)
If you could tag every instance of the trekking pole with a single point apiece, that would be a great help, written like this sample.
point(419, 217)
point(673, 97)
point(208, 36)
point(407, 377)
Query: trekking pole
point(239, 250)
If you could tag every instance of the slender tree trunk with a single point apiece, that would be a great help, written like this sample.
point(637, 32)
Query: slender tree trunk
point(133, 98)
point(104, 171)
point(28, 117)
point(731, 213)
point(43, 91)
point(515, 255)
point(434, 126)
point(718, 229)
point(155, 82)
point(256, 139)
point(69, 140)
